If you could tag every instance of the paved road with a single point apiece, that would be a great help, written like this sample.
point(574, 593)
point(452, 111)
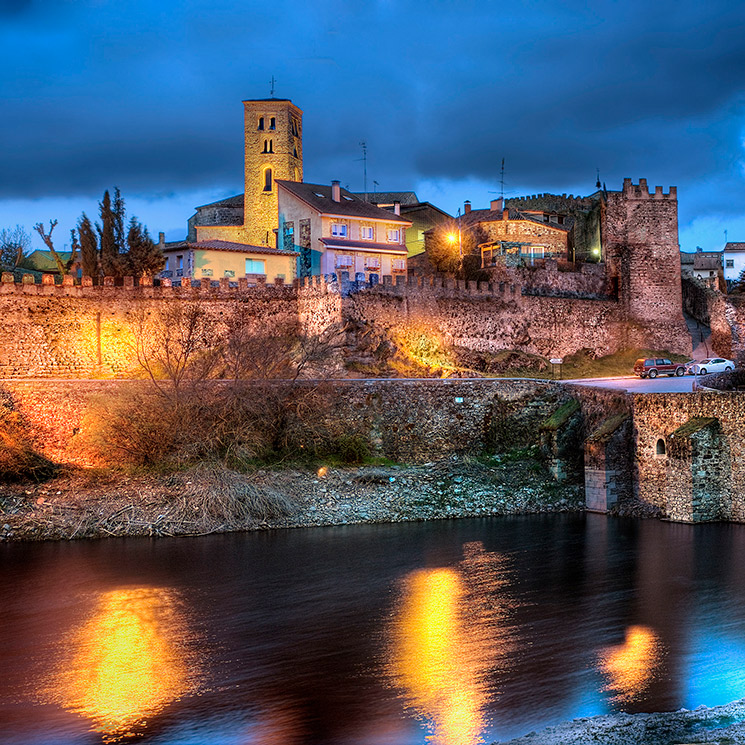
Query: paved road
point(632, 384)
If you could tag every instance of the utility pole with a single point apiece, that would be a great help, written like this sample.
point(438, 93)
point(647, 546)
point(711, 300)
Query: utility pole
point(363, 145)
point(501, 184)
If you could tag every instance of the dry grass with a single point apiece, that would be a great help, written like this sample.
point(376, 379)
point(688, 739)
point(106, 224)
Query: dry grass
point(208, 498)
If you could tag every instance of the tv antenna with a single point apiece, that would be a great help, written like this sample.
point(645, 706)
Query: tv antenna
point(597, 183)
point(273, 83)
point(375, 186)
point(363, 145)
point(501, 183)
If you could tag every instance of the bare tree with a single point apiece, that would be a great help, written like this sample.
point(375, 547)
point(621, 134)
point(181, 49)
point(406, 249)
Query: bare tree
point(14, 242)
point(176, 347)
point(62, 266)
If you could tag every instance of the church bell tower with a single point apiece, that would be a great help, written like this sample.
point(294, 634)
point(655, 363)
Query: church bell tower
point(274, 150)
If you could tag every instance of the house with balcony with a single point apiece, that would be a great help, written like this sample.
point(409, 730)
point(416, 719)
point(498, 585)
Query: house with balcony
point(337, 232)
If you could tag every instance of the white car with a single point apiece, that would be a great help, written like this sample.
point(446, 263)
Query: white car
point(711, 365)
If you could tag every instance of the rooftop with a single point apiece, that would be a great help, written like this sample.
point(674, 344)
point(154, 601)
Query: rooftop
point(734, 247)
point(318, 196)
point(216, 245)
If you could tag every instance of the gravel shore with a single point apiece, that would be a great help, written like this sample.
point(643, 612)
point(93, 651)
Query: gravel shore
point(212, 499)
point(715, 726)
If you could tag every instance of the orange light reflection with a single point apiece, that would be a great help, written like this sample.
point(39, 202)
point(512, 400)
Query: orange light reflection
point(446, 638)
point(127, 662)
point(631, 666)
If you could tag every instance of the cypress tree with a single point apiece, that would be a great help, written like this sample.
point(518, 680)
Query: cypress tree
point(88, 246)
point(144, 257)
point(120, 238)
point(109, 253)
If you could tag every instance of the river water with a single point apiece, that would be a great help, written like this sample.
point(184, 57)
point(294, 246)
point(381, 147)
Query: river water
point(452, 632)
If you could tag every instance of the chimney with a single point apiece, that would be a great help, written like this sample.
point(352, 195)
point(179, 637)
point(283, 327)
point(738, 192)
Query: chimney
point(467, 206)
point(161, 239)
point(397, 208)
point(506, 213)
point(336, 191)
point(496, 205)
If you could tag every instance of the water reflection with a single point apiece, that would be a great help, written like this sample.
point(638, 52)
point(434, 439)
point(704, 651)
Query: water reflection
point(447, 636)
point(127, 662)
point(630, 667)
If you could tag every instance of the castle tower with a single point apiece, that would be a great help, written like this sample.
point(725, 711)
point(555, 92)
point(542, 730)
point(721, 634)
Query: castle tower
point(274, 150)
point(640, 236)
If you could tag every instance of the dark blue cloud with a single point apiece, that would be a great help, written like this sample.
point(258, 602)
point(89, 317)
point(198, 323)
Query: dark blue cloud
point(147, 95)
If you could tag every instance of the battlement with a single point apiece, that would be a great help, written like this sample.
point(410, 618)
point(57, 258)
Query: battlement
point(641, 191)
point(192, 289)
point(551, 202)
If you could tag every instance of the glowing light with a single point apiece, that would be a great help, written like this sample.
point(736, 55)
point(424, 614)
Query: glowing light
point(631, 666)
point(127, 662)
point(447, 635)
point(322, 471)
point(452, 238)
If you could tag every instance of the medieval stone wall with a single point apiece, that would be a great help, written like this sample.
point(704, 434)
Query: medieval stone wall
point(725, 314)
point(408, 420)
point(489, 318)
point(656, 417)
point(71, 331)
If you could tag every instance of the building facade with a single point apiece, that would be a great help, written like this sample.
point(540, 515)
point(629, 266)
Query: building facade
point(734, 261)
point(212, 260)
point(336, 232)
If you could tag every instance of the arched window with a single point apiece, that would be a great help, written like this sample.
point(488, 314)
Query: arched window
point(261, 123)
point(268, 146)
point(267, 179)
point(272, 123)
point(660, 448)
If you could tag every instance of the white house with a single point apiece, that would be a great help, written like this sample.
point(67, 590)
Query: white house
point(734, 261)
point(335, 231)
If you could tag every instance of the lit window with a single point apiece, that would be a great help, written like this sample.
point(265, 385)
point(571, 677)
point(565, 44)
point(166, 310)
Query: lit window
point(267, 179)
point(255, 266)
point(394, 236)
point(366, 233)
point(272, 123)
point(261, 123)
point(339, 229)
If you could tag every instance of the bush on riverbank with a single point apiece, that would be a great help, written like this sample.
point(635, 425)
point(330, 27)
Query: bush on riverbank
point(18, 458)
point(241, 424)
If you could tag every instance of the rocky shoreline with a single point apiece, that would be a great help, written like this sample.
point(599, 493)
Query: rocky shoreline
point(717, 725)
point(210, 498)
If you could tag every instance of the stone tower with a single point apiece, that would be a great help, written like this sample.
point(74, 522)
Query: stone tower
point(640, 237)
point(274, 150)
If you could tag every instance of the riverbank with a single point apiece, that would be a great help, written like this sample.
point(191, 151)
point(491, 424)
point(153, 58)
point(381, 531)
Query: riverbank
point(210, 498)
point(715, 725)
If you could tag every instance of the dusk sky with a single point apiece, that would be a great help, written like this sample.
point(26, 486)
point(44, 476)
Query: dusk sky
point(147, 96)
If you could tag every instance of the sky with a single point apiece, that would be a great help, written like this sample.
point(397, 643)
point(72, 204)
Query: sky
point(146, 96)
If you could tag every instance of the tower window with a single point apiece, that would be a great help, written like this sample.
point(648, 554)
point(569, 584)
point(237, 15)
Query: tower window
point(294, 127)
point(268, 146)
point(660, 449)
point(267, 179)
point(272, 123)
point(261, 123)
point(294, 152)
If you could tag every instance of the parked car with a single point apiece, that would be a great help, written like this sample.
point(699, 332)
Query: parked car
point(710, 365)
point(651, 367)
